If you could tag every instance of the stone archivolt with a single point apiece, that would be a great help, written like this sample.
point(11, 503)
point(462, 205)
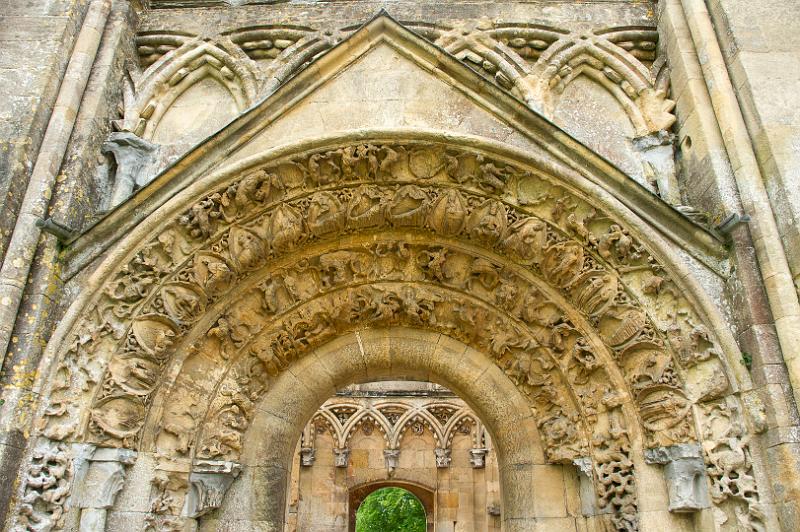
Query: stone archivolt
point(564, 298)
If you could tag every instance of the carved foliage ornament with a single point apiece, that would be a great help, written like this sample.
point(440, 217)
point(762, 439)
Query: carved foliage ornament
point(567, 246)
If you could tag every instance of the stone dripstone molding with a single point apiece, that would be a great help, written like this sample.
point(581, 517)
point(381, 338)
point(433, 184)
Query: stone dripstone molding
point(184, 336)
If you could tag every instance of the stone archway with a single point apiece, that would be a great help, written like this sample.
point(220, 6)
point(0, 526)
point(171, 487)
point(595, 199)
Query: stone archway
point(561, 294)
point(424, 495)
point(378, 354)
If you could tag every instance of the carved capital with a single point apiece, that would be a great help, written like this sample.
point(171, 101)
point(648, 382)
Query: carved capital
point(307, 456)
point(685, 472)
point(105, 477)
point(443, 458)
point(208, 483)
point(341, 457)
point(392, 459)
point(477, 457)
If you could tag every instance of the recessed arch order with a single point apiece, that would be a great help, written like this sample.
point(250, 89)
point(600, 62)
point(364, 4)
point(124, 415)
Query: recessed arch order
point(228, 291)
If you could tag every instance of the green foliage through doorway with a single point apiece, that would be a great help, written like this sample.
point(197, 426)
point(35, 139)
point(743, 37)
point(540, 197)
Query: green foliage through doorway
point(390, 510)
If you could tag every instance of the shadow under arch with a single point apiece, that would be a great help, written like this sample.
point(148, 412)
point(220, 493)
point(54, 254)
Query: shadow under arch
point(380, 354)
point(358, 494)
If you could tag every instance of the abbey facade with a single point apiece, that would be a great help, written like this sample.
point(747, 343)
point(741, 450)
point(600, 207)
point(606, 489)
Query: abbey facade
point(536, 262)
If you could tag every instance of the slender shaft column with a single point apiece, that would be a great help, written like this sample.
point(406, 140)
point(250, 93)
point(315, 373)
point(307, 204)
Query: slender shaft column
point(24, 240)
point(772, 260)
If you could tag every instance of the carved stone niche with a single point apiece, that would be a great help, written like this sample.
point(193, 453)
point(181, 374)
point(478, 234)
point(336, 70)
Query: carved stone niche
point(685, 473)
point(341, 457)
point(589, 506)
point(477, 457)
point(307, 456)
point(208, 483)
point(103, 480)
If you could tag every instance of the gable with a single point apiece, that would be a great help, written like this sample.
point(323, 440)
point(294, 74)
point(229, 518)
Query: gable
point(382, 90)
point(382, 83)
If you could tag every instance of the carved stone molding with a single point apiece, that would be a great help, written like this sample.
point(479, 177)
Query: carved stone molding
point(561, 295)
point(685, 473)
point(46, 487)
point(208, 483)
point(393, 419)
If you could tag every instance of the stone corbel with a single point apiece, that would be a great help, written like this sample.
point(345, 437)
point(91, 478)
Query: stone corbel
point(134, 160)
point(341, 457)
point(307, 456)
point(443, 458)
point(477, 457)
point(208, 483)
point(685, 473)
point(104, 478)
point(392, 459)
point(587, 490)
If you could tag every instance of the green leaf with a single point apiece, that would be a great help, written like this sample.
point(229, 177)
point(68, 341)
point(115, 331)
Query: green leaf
point(390, 510)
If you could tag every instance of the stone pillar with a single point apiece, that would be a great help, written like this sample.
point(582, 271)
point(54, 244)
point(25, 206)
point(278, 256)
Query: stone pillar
point(105, 476)
point(685, 473)
point(208, 483)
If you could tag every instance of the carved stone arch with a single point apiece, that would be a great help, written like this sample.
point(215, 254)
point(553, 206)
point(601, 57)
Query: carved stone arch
point(492, 59)
point(332, 425)
point(175, 72)
point(363, 416)
point(183, 279)
point(455, 423)
point(287, 49)
point(418, 415)
point(619, 72)
point(424, 494)
point(358, 357)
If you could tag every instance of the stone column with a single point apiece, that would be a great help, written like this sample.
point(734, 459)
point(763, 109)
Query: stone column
point(208, 483)
point(685, 473)
point(105, 476)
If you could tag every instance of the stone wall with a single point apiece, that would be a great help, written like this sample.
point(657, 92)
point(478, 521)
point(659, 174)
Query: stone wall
point(360, 440)
point(693, 101)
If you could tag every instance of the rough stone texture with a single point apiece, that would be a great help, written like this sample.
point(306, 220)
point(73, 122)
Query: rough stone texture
point(35, 38)
point(341, 203)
